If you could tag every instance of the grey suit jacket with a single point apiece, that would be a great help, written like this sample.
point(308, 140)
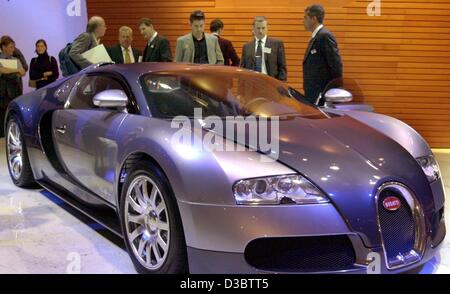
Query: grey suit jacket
point(82, 43)
point(186, 49)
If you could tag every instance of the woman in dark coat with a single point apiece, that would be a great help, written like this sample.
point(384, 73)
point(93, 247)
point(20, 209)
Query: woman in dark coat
point(43, 68)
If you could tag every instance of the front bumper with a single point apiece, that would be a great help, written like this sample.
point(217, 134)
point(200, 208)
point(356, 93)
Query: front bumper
point(213, 262)
point(217, 236)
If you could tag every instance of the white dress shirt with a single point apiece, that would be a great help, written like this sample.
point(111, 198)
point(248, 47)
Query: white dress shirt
point(316, 31)
point(153, 37)
point(263, 45)
point(130, 51)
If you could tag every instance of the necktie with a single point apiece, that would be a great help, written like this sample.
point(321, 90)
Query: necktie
point(127, 55)
point(258, 57)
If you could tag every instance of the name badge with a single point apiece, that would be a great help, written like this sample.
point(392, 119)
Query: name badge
point(267, 50)
point(314, 51)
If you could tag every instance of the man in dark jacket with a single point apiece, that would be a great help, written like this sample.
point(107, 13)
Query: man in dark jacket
point(322, 62)
point(226, 46)
point(264, 54)
point(158, 47)
point(123, 52)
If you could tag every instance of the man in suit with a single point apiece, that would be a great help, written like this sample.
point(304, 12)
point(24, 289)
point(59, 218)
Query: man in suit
point(96, 29)
point(123, 52)
point(322, 62)
point(226, 46)
point(264, 54)
point(158, 47)
point(198, 47)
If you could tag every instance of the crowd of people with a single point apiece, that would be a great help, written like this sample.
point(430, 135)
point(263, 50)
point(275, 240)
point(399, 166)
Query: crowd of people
point(321, 63)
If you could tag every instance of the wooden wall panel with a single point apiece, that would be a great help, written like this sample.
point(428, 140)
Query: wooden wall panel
point(399, 62)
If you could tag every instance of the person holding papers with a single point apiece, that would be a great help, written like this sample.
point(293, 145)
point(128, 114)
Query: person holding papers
point(11, 71)
point(18, 54)
point(96, 29)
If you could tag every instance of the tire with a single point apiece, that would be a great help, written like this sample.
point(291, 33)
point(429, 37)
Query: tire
point(17, 156)
point(145, 230)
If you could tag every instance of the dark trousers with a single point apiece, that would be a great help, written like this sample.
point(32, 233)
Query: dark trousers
point(2, 119)
point(10, 88)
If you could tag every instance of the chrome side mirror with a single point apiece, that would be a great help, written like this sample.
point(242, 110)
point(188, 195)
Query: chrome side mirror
point(111, 98)
point(336, 95)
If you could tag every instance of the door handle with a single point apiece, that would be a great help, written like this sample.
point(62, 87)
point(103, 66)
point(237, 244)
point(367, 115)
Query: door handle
point(61, 129)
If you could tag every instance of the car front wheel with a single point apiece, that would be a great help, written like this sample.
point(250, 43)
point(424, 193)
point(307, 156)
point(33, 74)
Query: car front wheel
point(17, 157)
point(151, 223)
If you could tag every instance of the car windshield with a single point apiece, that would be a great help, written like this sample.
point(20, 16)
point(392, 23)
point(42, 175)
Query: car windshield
point(223, 93)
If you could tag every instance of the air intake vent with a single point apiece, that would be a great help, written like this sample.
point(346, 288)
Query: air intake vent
point(301, 254)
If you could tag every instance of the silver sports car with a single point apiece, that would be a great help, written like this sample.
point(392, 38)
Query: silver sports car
point(210, 169)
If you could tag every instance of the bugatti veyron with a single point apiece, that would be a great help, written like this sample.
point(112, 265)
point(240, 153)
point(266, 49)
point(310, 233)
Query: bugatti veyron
point(338, 191)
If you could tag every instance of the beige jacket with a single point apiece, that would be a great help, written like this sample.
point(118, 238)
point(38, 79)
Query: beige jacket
point(186, 49)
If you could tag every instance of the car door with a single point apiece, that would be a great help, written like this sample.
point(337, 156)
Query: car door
point(85, 136)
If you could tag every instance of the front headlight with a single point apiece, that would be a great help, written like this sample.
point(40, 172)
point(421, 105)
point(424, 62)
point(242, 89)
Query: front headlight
point(286, 189)
point(429, 167)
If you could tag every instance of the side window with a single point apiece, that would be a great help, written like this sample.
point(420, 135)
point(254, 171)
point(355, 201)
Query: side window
point(170, 96)
point(81, 97)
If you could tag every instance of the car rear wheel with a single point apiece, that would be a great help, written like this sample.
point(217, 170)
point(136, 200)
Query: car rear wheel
point(150, 221)
point(17, 157)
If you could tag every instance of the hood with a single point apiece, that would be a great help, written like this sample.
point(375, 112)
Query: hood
point(349, 161)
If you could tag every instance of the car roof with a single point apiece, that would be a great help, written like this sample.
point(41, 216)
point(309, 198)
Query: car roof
point(135, 70)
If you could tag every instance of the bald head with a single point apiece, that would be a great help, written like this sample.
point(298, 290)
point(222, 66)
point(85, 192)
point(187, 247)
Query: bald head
point(96, 25)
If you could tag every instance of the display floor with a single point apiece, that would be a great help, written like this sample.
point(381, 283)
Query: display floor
point(41, 234)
